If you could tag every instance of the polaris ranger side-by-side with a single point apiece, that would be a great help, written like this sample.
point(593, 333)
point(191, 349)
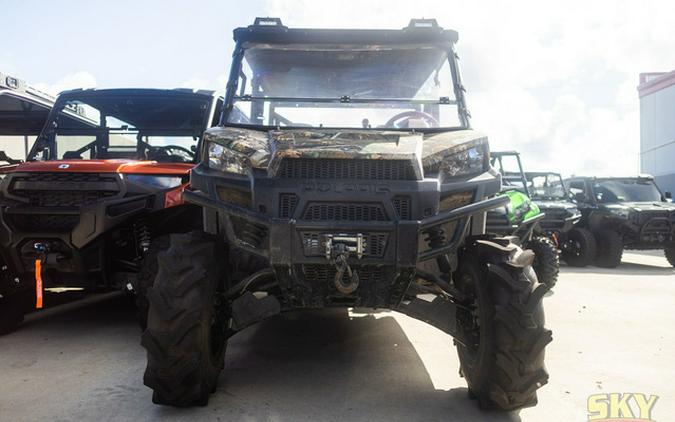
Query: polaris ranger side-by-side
point(521, 217)
point(561, 215)
point(101, 189)
point(345, 173)
point(625, 213)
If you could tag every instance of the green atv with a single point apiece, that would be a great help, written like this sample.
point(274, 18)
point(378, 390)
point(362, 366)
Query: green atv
point(521, 218)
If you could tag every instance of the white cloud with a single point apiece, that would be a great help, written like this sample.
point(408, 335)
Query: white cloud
point(196, 83)
point(555, 80)
point(79, 79)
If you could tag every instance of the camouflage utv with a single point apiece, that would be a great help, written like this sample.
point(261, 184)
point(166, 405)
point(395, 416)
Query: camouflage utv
point(345, 173)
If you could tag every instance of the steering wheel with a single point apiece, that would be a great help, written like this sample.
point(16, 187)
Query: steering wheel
point(181, 152)
point(401, 120)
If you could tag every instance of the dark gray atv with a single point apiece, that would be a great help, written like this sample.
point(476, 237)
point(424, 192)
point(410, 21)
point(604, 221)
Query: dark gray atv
point(346, 174)
point(561, 217)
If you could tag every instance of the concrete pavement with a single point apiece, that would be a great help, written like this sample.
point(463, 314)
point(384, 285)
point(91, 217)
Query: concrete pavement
point(613, 332)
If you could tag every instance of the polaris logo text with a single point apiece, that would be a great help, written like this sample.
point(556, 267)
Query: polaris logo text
point(621, 407)
point(346, 187)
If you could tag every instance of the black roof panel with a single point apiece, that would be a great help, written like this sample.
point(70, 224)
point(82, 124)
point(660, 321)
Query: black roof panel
point(271, 30)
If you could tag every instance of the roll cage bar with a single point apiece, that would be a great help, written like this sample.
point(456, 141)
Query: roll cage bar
point(531, 174)
point(496, 157)
point(272, 31)
point(46, 141)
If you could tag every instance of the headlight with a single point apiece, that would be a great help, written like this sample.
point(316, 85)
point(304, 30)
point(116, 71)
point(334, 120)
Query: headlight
point(468, 161)
point(160, 182)
point(620, 212)
point(224, 159)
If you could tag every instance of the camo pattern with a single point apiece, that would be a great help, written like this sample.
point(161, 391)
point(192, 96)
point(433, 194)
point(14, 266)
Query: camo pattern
point(251, 146)
point(266, 150)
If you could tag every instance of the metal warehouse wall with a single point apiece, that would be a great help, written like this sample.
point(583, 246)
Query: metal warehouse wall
point(657, 128)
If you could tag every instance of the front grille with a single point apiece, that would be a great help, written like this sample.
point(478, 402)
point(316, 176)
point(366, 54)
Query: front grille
point(335, 168)
point(403, 207)
point(64, 189)
point(657, 227)
point(375, 244)
point(43, 223)
point(322, 274)
point(57, 198)
point(287, 204)
point(322, 211)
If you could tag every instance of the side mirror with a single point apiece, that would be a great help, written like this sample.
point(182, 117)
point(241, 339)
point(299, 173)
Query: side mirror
point(669, 196)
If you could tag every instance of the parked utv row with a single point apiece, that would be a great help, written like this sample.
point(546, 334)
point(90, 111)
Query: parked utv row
point(324, 184)
point(543, 217)
point(625, 213)
point(339, 170)
point(592, 223)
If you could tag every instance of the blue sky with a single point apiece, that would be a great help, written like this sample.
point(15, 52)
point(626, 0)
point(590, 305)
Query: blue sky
point(120, 43)
point(555, 80)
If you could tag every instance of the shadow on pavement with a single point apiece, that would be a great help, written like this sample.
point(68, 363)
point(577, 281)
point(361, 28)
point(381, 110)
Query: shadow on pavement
point(318, 365)
point(324, 365)
point(82, 312)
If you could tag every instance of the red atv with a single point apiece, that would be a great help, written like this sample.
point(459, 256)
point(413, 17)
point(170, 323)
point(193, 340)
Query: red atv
point(99, 193)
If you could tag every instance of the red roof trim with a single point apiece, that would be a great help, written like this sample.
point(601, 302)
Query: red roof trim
point(656, 84)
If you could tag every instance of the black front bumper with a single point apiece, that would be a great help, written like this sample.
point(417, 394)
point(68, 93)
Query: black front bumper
point(73, 233)
point(558, 225)
point(281, 239)
point(650, 233)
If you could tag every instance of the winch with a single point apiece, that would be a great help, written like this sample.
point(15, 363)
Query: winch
point(338, 249)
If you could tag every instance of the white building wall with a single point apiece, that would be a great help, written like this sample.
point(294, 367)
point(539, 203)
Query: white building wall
point(657, 136)
point(16, 146)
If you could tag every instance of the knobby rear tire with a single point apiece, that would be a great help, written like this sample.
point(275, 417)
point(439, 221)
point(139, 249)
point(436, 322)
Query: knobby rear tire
point(546, 260)
point(610, 248)
point(586, 251)
point(505, 369)
point(185, 343)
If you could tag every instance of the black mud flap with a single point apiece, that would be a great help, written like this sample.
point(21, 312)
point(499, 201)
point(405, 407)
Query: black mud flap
point(248, 309)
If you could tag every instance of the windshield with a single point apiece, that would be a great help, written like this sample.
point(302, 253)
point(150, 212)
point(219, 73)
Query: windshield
point(546, 186)
point(21, 119)
point(141, 127)
point(626, 190)
point(345, 86)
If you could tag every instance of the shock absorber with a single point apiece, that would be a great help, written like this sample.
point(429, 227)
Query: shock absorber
point(142, 233)
point(436, 239)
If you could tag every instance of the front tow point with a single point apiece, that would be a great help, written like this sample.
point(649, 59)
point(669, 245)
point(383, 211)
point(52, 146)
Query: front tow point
point(338, 248)
point(41, 250)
